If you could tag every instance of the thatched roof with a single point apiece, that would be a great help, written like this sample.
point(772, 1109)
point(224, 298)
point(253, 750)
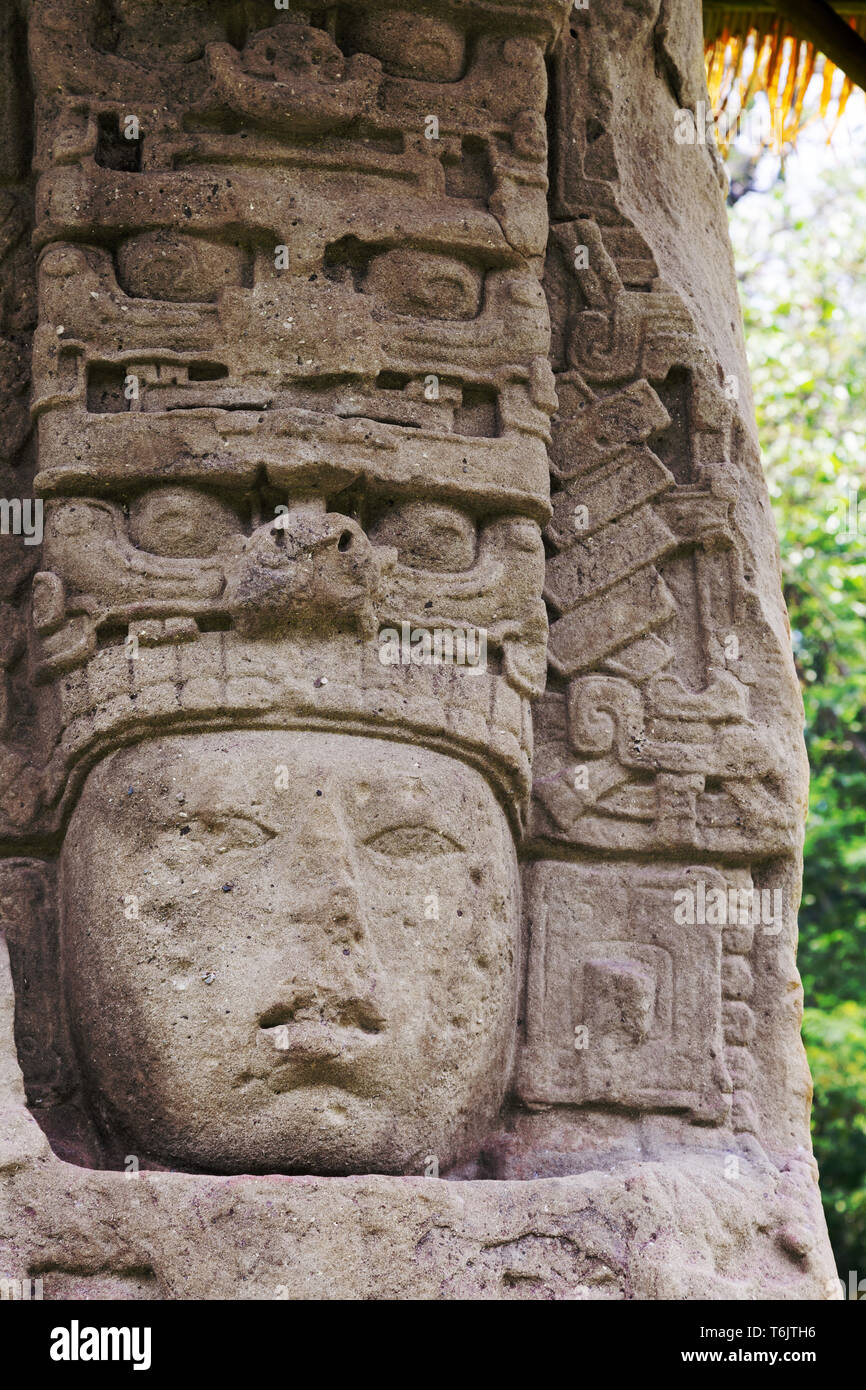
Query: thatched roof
point(778, 49)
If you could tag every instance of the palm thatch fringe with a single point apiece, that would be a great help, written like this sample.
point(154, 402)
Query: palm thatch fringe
point(748, 52)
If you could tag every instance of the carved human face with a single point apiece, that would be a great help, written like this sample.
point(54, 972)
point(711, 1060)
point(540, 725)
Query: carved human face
point(291, 951)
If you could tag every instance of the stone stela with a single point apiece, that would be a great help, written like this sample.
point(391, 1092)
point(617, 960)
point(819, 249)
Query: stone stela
point(377, 318)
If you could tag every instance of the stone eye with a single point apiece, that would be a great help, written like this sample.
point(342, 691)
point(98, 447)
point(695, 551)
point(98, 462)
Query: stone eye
point(412, 842)
point(229, 832)
point(181, 522)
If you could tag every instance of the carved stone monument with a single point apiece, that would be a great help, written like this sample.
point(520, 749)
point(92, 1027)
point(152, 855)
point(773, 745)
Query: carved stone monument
point(402, 781)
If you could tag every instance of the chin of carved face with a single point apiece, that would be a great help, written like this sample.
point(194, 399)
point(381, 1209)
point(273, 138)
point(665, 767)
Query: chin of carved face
point(291, 952)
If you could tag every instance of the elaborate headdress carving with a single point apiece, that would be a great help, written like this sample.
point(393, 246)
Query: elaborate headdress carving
point(299, 420)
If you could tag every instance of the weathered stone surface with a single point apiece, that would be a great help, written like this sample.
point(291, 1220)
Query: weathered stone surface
point(404, 538)
point(670, 1226)
point(295, 1008)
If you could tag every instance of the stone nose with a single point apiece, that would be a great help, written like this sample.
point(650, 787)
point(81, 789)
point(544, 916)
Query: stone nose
point(323, 896)
point(301, 534)
point(337, 911)
point(328, 977)
point(313, 1003)
point(305, 567)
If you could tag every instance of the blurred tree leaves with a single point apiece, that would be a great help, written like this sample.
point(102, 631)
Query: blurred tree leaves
point(800, 251)
point(836, 1044)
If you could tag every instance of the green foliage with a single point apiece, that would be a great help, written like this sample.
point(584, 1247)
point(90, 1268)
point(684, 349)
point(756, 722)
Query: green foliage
point(836, 1044)
point(800, 251)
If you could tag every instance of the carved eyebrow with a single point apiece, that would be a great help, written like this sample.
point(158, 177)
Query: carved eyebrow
point(405, 786)
point(396, 802)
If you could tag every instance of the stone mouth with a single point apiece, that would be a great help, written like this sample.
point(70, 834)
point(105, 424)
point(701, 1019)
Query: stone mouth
point(319, 1042)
